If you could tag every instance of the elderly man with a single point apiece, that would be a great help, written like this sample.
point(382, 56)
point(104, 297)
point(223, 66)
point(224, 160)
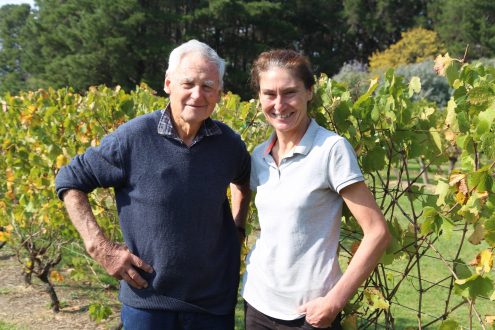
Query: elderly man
point(170, 170)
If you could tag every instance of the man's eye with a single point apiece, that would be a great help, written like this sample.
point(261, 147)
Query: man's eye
point(187, 85)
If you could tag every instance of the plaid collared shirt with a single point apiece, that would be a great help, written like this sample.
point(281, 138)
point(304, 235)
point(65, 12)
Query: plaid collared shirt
point(166, 128)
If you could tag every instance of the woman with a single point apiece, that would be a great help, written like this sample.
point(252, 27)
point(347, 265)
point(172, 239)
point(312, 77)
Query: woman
point(302, 175)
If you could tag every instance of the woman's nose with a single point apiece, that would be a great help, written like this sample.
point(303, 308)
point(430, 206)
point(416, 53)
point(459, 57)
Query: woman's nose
point(279, 102)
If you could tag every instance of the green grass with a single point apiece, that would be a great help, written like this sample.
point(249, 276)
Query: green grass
point(406, 302)
point(8, 326)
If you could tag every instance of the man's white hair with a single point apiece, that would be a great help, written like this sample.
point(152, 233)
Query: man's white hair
point(193, 46)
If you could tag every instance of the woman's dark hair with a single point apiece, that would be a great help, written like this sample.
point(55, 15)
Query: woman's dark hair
point(287, 59)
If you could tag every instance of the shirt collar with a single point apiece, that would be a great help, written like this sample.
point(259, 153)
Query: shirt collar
point(304, 145)
point(166, 128)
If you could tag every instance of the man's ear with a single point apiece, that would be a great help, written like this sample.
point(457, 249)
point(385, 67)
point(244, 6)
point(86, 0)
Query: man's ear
point(166, 84)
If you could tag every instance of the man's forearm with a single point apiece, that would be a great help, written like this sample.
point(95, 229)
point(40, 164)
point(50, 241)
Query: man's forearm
point(80, 213)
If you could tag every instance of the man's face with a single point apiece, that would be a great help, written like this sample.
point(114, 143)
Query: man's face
point(193, 88)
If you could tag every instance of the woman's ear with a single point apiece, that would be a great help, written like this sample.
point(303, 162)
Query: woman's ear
point(310, 93)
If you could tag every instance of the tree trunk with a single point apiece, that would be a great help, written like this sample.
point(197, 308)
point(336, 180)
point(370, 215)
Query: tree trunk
point(55, 304)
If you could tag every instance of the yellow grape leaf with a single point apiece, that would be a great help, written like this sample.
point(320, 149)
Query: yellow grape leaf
point(450, 135)
point(375, 299)
point(10, 194)
point(460, 198)
point(26, 118)
point(61, 160)
point(4, 236)
point(83, 138)
point(28, 263)
point(349, 322)
point(483, 261)
point(455, 178)
point(441, 63)
point(478, 234)
point(462, 186)
point(56, 276)
point(9, 175)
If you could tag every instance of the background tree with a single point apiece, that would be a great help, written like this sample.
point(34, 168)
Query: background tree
point(125, 42)
point(463, 22)
point(12, 20)
point(416, 45)
point(375, 24)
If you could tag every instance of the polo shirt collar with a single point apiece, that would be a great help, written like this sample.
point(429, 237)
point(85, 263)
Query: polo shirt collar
point(304, 145)
point(166, 128)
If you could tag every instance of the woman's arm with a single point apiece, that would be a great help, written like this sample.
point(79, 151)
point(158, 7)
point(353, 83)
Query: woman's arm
point(321, 312)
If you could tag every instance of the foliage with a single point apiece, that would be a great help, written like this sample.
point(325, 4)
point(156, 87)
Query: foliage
point(415, 45)
point(433, 87)
point(373, 25)
point(82, 43)
point(12, 20)
point(99, 312)
point(41, 130)
point(462, 22)
point(354, 75)
point(390, 127)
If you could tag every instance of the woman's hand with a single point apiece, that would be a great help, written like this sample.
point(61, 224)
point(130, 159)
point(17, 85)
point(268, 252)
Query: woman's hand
point(320, 312)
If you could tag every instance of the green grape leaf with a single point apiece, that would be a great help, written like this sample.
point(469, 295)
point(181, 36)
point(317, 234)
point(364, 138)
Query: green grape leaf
point(436, 138)
point(375, 299)
point(489, 232)
point(461, 269)
point(478, 234)
point(374, 160)
point(473, 286)
point(449, 325)
point(431, 221)
point(442, 190)
point(414, 86)
point(452, 72)
point(349, 322)
point(488, 145)
point(480, 95)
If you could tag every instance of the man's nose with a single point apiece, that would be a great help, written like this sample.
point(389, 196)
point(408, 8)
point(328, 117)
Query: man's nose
point(196, 92)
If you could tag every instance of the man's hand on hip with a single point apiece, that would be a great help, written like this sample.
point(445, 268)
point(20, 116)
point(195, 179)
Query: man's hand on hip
point(120, 263)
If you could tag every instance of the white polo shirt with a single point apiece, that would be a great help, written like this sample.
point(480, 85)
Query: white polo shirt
point(299, 209)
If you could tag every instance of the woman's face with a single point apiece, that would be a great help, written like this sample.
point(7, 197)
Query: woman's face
point(284, 100)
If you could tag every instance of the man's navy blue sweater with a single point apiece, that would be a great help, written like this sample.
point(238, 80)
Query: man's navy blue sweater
point(173, 210)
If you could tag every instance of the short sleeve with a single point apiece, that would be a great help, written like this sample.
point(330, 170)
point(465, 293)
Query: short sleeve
point(343, 167)
point(253, 181)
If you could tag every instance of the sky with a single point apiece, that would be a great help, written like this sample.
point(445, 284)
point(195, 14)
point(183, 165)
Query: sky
point(16, 2)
